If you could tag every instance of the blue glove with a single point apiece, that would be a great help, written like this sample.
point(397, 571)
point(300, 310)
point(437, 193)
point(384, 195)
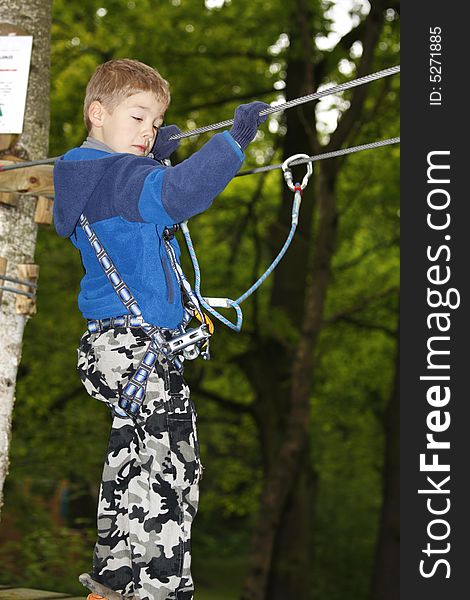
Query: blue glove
point(246, 121)
point(163, 147)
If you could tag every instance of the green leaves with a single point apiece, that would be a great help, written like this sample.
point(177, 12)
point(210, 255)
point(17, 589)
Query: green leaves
point(215, 59)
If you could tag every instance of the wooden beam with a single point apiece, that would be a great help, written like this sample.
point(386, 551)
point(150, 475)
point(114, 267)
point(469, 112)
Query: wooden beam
point(8, 593)
point(7, 140)
point(9, 198)
point(43, 215)
point(36, 180)
point(3, 270)
point(24, 305)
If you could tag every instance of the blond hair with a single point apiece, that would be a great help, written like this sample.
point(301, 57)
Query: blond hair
point(117, 79)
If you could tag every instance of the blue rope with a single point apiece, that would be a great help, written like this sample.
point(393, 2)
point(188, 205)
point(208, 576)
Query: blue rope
point(268, 271)
point(235, 303)
point(197, 286)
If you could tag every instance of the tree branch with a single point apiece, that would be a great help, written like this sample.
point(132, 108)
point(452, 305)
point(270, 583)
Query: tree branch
point(331, 59)
point(362, 185)
point(61, 401)
point(250, 206)
point(381, 246)
point(360, 306)
point(222, 101)
point(372, 27)
point(227, 403)
point(221, 55)
point(370, 326)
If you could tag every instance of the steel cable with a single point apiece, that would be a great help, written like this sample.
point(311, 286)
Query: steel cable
point(324, 156)
point(297, 101)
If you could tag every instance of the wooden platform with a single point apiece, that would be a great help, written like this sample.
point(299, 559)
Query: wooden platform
point(11, 593)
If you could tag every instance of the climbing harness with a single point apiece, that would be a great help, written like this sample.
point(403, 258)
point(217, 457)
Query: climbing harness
point(211, 303)
point(172, 345)
point(190, 299)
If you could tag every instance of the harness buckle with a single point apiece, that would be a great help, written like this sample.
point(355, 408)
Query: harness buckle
point(189, 338)
point(169, 232)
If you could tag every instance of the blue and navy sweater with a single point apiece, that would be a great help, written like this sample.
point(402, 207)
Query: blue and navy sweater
point(129, 200)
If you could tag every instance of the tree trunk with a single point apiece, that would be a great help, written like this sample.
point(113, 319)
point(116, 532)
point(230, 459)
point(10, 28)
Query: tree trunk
point(285, 467)
point(17, 227)
point(385, 577)
point(282, 408)
point(288, 292)
point(292, 564)
point(281, 550)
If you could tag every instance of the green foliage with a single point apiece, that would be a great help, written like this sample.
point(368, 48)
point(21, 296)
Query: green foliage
point(213, 59)
point(47, 558)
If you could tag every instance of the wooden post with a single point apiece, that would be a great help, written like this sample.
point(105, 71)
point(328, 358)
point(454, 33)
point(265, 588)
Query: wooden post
point(7, 140)
point(29, 180)
point(24, 305)
point(18, 231)
point(3, 270)
point(43, 215)
point(9, 198)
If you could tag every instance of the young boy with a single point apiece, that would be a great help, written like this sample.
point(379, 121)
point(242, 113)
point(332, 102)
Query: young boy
point(149, 489)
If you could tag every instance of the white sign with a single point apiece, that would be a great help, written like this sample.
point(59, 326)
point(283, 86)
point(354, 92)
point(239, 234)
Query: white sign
point(15, 58)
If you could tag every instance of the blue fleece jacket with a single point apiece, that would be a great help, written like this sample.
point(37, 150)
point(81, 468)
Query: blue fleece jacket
point(129, 200)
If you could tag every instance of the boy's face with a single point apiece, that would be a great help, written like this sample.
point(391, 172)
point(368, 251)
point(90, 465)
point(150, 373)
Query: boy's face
point(132, 126)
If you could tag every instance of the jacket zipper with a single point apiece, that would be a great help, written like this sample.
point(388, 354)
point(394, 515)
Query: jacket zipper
point(170, 294)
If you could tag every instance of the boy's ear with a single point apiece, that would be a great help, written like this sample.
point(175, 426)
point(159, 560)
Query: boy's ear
point(96, 113)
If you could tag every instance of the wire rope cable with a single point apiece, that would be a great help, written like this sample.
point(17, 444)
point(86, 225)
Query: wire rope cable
point(297, 101)
point(314, 158)
point(30, 163)
point(325, 155)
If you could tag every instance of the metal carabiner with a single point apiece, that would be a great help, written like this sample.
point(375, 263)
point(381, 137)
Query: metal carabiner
point(288, 173)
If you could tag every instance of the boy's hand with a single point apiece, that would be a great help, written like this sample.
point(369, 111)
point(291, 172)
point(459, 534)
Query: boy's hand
point(246, 121)
point(163, 147)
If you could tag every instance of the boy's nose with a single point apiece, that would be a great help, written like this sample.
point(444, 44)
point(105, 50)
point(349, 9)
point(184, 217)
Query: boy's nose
point(147, 130)
point(148, 134)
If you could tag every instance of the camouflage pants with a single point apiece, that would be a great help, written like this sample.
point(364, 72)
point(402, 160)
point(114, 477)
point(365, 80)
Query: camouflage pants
point(149, 489)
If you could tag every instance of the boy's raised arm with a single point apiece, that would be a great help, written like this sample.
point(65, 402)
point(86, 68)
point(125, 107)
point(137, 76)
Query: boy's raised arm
point(190, 187)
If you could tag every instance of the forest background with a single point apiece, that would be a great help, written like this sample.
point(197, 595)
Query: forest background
point(298, 414)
